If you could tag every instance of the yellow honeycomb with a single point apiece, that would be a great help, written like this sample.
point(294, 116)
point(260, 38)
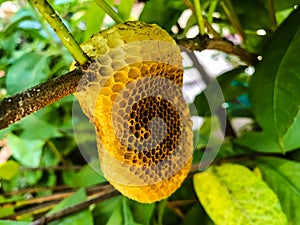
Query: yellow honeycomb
point(132, 94)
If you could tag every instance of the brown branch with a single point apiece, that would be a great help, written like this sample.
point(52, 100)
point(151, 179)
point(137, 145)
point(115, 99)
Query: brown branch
point(14, 108)
point(103, 187)
point(43, 204)
point(201, 43)
point(34, 190)
point(272, 14)
point(74, 209)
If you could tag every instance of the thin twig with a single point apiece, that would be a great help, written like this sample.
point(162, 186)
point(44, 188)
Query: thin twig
point(16, 107)
point(108, 10)
point(200, 20)
point(201, 43)
point(39, 205)
point(73, 209)
point(61, 30)
point(63, 192)
point(55, 151)
point(40, 200)
point(60, 196)
point(208, 26)
point(233, 17)
point(273, 14)
point(35, 190)
point(33, 211)
point(211, 30)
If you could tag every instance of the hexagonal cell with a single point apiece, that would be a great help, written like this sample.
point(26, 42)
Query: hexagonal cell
point(120, 76)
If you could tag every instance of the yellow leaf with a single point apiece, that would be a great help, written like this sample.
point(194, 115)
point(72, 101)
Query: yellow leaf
point(231, 194)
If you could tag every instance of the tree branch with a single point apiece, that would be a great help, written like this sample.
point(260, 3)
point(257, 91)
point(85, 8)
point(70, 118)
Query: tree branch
point(37, 206)
point(16, 107)
point(74, 209)
point(201, 43)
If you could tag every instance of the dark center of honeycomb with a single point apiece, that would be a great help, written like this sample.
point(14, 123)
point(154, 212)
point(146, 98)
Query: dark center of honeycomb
point(165, 130)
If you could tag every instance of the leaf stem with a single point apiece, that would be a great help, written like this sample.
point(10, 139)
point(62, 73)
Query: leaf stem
point(61, 30)
point(201, 43)
point(208, 26)
point(200, 19)
point(233, 17)
point(108, 10)
point(55, 151)
point(272, 14)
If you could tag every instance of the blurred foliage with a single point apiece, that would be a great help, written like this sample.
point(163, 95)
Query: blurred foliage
point(41, 155)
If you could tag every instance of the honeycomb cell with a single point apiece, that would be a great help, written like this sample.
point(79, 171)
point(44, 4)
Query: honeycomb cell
point(120, 76)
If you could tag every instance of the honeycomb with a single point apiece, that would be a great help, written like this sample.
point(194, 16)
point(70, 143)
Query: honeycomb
point(132, 93)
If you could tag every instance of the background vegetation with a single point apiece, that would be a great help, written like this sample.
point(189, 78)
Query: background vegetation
point(255, 178)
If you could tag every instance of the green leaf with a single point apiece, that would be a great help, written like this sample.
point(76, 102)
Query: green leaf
point(27, 152)
point(103, 210)
point(6, 211)
point(37, 128)
point(116, 217)
point(20, 16)
point(253, 19)
point(284, 178)
point(160, 210)
point(93, 20)
point(232, 194)
point(196, 214)
point(127, 214)
point(31, 69)
point(87, 176)
point(8, 169)
point(122, 215)
point(166, 12)
point(142, 213)
point(83, 217)
point(274, 92)
point(21, 180)
point(281, 5)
